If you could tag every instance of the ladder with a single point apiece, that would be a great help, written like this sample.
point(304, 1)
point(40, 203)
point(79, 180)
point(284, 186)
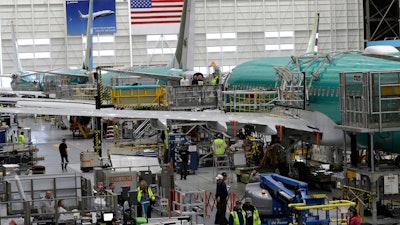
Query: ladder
point(295, 78)
point(142, 129)
point(222, 164)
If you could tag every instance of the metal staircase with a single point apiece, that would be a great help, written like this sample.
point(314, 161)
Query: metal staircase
point(295, 79)
point(142, 129)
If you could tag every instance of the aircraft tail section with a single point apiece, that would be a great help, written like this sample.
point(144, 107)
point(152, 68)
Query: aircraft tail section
point(313, 41)
point(88, 63)
point(17, 60)
point(81, 14)
point(183, 58)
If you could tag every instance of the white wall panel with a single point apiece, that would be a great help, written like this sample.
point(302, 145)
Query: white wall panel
point(341, 28)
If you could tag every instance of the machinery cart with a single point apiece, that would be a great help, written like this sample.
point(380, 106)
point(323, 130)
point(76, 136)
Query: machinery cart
point(283, 200)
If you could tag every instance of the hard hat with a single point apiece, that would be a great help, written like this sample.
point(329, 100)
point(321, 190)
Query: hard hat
point(219, 177)
point(213, 64)
point(263, 191)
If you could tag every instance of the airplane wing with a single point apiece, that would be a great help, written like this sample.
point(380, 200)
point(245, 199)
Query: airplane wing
point(82, 73)
point(217, 120)
point(9, 75)
point(160, 73)
point(47, 103)
point(20, 74)
point(35, 94)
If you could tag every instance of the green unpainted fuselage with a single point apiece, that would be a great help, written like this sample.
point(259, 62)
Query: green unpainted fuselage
point(324, 94)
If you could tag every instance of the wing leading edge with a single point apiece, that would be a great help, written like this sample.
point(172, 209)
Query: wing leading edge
point(266, 123)
point(160, 73)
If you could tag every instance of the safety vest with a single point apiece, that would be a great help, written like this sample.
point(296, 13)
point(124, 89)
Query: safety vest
point(21, 138)
point(149, 191)
point(256, 218)
point(200, 83)
point(219, 146)
point(254, 150)
point(214, 80)
point(236, 217)
point(116, 130)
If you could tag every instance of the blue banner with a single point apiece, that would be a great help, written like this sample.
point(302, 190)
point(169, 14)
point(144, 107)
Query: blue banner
point(77, 13)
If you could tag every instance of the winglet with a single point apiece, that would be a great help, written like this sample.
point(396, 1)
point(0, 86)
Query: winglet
point(313, 41)
point(17, 61)
point(88, 64)
point(183, 58)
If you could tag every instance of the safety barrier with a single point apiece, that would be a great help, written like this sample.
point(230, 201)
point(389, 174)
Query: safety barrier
point(84, 208)
point(304, 215)
point(192, 97)
point(249, 100)
point(166, 97)
point(207, 200)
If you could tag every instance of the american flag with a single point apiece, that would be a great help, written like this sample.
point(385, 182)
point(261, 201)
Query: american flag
point(156, 11)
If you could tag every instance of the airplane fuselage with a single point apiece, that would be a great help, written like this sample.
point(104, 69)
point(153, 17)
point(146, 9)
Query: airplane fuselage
point(324, 93)
point(97, 14)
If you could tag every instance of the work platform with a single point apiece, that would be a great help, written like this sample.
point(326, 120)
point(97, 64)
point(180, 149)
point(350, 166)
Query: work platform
point(370, 101)
point(166, 97)
point(370, 108)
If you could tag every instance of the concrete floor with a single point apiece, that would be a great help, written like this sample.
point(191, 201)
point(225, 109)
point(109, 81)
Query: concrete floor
point(47, 139)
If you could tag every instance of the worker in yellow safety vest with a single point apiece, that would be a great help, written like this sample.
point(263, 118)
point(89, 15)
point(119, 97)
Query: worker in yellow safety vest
point(219, 145)
point(116, 133)
point(238, 215)
point(200, 80)
point(215, 79)
point(21, 137)
point(252, 215)
point(144, 194)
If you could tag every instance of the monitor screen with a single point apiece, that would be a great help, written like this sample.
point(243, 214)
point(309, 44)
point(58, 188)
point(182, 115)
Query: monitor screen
point(108, 217)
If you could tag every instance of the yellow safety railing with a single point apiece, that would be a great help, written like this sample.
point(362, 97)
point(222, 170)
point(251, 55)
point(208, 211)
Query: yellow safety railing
point(329, 206)
point(139, 96)
point(356, 194)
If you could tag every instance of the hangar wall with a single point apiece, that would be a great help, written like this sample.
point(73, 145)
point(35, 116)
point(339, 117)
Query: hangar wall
point(287, 23)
